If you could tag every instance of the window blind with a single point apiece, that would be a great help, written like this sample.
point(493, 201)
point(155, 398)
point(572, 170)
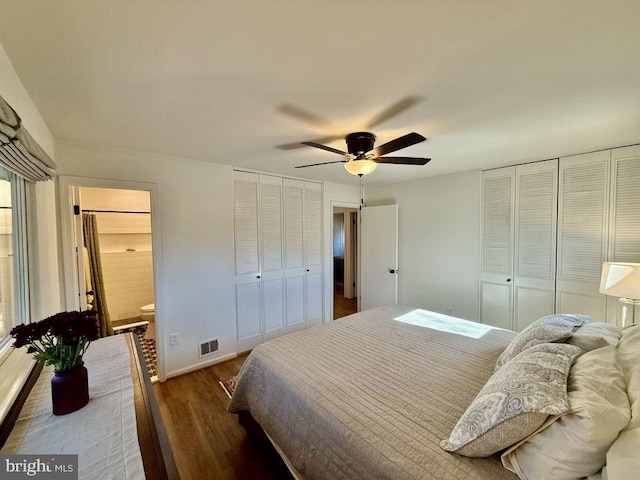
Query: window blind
point(19, 152)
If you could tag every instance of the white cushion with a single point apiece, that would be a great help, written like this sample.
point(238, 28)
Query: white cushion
point(594, 335)
point(623, 458)
point(575, 445)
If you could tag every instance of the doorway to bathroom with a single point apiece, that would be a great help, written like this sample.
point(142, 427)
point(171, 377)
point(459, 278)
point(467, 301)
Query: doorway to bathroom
point(345, 268)
point(112, 258)
point(117, 260)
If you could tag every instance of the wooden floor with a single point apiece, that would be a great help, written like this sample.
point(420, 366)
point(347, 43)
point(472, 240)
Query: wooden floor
point(342, 306)
point(207, 441)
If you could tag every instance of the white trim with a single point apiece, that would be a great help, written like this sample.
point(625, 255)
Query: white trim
point(21, 303)
point(329, 262)
point(14, 372)
point(271, 174)
point(65, 184)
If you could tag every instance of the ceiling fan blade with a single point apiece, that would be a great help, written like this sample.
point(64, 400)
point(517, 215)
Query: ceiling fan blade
point(324, 147)
point(397, 144)
point(394, 110)
point(296, 145)
point(323, 163)
point(305, 116)
point(403, 160)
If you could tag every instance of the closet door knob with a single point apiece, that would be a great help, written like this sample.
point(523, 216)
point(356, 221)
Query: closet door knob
point(308, 270)
point(257, 276)
point(508, 279)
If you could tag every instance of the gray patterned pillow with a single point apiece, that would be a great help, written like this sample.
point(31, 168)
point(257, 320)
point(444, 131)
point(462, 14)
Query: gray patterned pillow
point(552, 328)
point(515, 401)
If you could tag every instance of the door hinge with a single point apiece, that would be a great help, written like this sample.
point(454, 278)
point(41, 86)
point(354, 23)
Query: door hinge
point(354, 284)
point(76, 209)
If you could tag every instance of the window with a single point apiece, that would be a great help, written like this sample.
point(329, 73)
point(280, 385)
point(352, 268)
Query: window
point(14, 299)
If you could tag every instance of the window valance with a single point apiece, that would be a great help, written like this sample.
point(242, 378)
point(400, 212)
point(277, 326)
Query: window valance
point(19, 152)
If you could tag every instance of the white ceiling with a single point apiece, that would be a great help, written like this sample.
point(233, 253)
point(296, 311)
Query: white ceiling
point(501, 82)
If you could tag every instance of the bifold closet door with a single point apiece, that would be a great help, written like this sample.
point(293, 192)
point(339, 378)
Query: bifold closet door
point(496, 285)
point(519, 214)
point(293, 204)
point(535, 242)
point(247, 260)
point(583, 219)
point(272, 258)
point(278, 256)
point(313, 252)
point(624, 226)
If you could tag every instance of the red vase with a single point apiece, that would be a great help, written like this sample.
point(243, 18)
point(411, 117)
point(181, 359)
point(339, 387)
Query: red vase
point(70, 390)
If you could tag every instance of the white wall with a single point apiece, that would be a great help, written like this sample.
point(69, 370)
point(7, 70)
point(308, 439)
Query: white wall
point(196, 225)
point(14, 93)
point(45, 275)
point(439, 241)
point(196, 216)
point(44, 251)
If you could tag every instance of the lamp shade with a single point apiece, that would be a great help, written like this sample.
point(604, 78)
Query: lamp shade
point(360, 167)
point(621, 280)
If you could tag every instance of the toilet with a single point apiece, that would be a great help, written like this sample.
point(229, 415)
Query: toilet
point(148, 312)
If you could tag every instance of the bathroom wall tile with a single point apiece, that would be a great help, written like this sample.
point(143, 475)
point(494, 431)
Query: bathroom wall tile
point(128, 278)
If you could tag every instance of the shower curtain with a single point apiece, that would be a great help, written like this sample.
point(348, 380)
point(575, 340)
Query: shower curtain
point(90, 231)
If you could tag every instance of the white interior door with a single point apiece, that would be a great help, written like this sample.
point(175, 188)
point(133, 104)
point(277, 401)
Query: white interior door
point(379, 256)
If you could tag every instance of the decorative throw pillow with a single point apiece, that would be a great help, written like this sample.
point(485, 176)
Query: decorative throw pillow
point(594, 335)
point(575, 445)
point(515, 401)
point(552, 328)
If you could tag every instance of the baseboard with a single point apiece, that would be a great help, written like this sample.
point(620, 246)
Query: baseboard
point(201, 365)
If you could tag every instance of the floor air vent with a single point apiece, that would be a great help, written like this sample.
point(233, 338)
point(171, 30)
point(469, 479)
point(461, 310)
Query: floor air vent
point(208, 347)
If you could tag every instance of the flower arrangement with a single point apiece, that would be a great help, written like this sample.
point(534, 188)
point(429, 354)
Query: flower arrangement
point(60, 340)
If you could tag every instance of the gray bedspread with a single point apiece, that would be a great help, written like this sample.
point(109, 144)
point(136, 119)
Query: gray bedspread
point(371, 395)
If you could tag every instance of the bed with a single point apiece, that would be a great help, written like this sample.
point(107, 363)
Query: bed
point(373, 395)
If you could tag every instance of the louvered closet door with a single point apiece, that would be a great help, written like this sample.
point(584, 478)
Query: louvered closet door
point(293, 205)
point(247, 260)
point(535, 242)
point(498, 188)
point(625, 215)
point(313, 252)
point(271, 226)
point(583, 206)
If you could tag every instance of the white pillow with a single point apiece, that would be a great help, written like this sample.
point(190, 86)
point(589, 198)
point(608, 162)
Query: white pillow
point(594, 335)
point(623, 458)
point(575, 445)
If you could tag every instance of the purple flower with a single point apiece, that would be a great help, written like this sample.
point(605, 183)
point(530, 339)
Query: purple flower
point(59, 340)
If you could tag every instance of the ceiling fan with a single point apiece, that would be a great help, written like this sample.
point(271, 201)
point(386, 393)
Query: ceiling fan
point(361, 158)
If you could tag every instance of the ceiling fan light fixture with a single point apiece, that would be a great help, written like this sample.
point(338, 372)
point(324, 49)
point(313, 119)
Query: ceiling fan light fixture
point(360, 167)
